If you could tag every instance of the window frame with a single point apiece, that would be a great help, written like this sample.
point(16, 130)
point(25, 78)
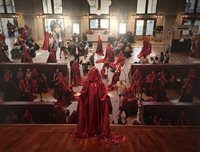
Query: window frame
point(5, 7)
point(146, 8)
point(99, 24)
point(145, 26)
point(53, 8)
point(195, 7)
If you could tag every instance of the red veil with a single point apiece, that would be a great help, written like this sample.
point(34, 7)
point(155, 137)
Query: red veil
point(93, 108)
point(99, 49)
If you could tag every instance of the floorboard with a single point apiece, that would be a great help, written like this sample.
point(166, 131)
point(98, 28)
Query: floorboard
point(57, 138)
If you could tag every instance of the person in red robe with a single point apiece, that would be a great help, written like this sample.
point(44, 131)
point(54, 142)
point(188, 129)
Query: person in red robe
point(109, 57)
point(116, 76)
point(146, 49)
point(52, 56)
point(75, 74)
point(58, 86)
point(3, 49)
point(93, 108)
point(26, 57)
point(46, 41)
point(99, 49)
point(120, 60)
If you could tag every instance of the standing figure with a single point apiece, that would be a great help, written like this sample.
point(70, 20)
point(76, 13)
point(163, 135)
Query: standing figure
point(25, 89)
point(26, 57)
point(46, 41)
point(11, 29)
point(93, 108)
point(75, 74)
point(167, 57)
point(9, 87)
point(186, 92)
point(137, 83)
point(160, 84)
point(99, 49)
point(52, 56)
point(3, 49)
point(116, 76)
point(146, 49)
point(85, 63)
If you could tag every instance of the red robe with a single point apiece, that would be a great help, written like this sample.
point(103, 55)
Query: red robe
point(52, 56)
point(26, 57)
point(46, 41)
point(146, 49)
point(76, 75)
point(93, 108)
point(99, 49)
point(110, 57)
point(120, 60)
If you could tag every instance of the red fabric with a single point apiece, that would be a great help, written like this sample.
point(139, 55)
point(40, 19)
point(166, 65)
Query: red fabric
point(99, 49)
point(146, 49)
point(26, 57)
point(21, 31)
point(52, 56)
point(110, 57)
point(120, 60)
point(2, 37)
point(115, 78)
point(76, 75)
point(93, 108)
point(46, 41)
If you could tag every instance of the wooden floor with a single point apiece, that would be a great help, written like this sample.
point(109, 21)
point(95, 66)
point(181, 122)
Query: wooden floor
point(57, 138)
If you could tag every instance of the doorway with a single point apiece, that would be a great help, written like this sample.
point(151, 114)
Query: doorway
point(145, 28)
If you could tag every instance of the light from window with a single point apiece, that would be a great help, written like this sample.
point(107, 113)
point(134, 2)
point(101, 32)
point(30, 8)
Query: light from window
point(1, 7)
point(94, 23)
point(104, 23)
point(76, 28)
point(141, 6)
point(58, 7)
point(139, 27)
point(150, 27)
point(122, 28)
point(152, 5)
point(198, 7)
point(190, 6)
point(10, 6)
point(47, 6)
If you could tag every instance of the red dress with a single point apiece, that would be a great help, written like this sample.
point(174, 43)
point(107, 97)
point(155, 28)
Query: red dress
point(120, 60)
point(46, 41)
point(26, 57)
point(52, 56)
point(93, 108)
point(99, 49)
point(146, 49)
point(110, 56)
point(76, 75)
